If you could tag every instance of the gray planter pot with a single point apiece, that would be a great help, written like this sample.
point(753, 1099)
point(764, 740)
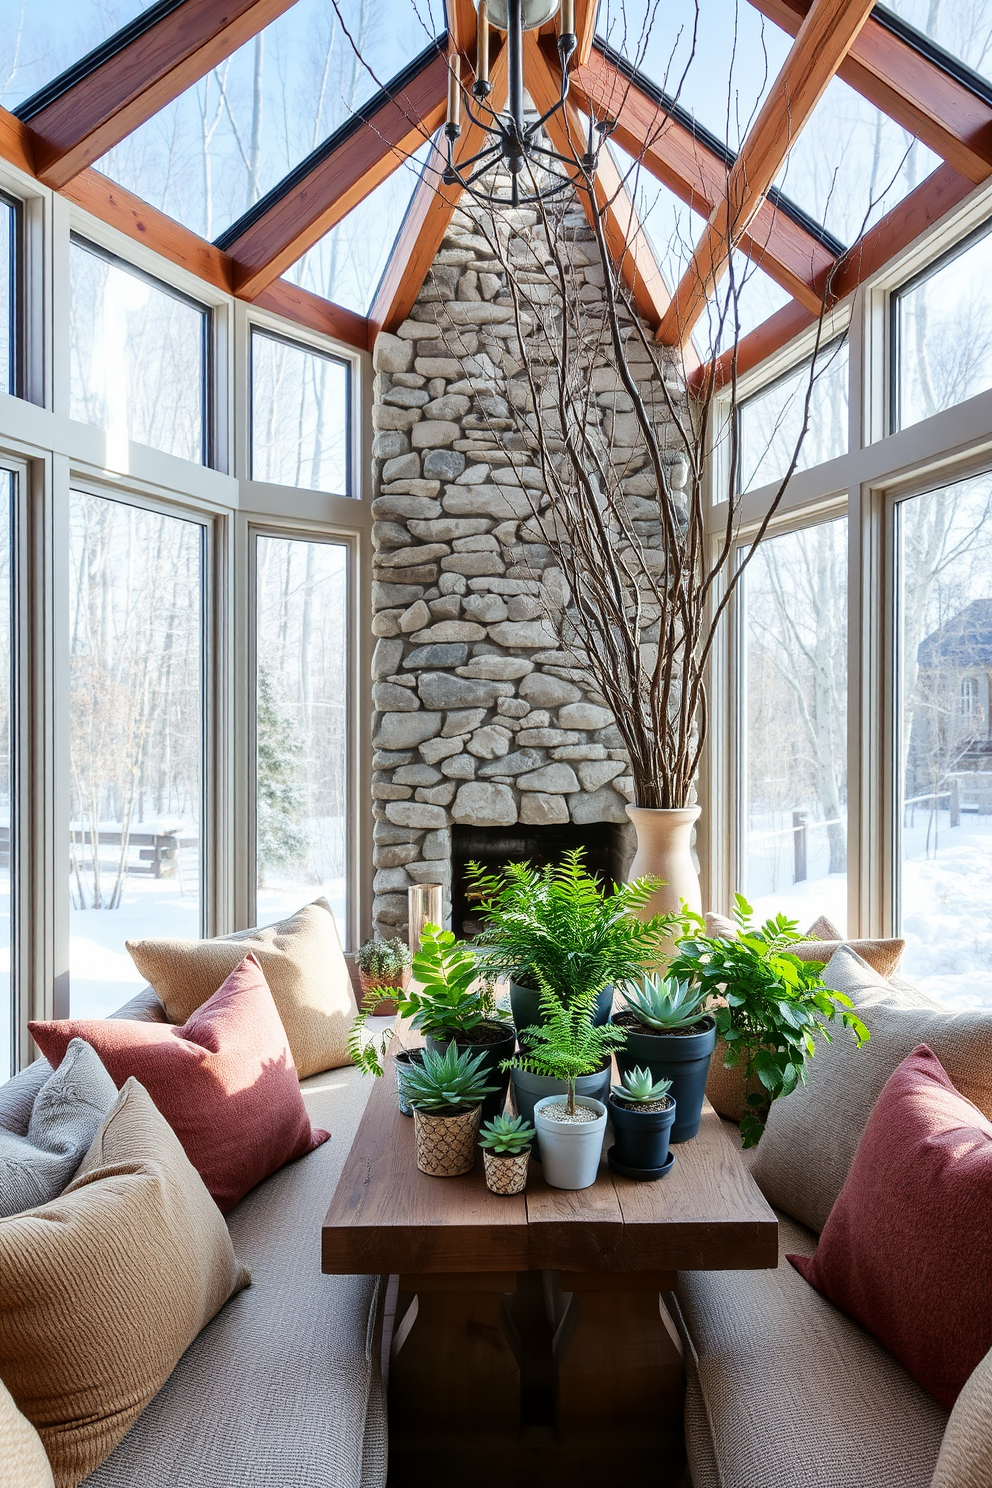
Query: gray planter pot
point(525, 1003)
point(571, 1153)
point(528, 1089)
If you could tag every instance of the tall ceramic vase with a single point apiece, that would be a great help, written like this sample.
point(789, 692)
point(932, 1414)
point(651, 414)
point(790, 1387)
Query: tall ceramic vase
point(664, 849)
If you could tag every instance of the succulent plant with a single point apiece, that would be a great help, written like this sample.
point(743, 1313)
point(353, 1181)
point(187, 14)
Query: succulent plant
point(507, 1135)
point(639, 1086)
point(446, 1082)
point(384, 959)
point(666, 1006)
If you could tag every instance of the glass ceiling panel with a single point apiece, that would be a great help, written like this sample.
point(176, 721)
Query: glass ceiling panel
point(852, 163)
point(684, 49)
point(961, 27)
point(225, 142)
point(747, 297)
point(347, 264)
point(39, 39)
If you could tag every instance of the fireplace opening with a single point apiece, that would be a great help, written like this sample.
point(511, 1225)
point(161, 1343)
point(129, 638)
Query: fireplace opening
point(607, 854)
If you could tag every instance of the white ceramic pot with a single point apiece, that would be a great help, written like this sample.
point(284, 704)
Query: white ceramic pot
point(571, 1152)
point(664, 849)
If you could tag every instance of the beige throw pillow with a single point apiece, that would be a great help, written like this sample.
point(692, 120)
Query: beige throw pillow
point(104, 1288)
point(303, 964)
point(965, 1459)
point(809, 1141)
point(23, 1463)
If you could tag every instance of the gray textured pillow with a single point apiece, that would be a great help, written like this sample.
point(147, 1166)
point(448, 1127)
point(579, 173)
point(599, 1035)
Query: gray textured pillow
point(68, 1111)
point(809, 1142)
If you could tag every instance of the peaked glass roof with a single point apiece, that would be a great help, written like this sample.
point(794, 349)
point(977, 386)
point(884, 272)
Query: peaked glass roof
point(41, 38)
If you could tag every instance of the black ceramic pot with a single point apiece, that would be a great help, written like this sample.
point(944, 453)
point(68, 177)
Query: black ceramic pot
point(683, 1058)
point(404, 1059)
point(641, 1137)
point(526, 1006)
point(495, 1053)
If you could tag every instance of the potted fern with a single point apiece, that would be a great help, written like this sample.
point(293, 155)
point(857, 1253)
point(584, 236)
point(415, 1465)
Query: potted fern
point(506, 1143)
point(446, 1091)
point(642, 1112)
point(671, 1034)
point(769, 1006)
point(559, 927)
point(384, 967)
point(566, 1048)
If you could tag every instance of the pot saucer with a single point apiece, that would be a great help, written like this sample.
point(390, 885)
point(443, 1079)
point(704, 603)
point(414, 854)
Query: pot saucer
point(639, 1175)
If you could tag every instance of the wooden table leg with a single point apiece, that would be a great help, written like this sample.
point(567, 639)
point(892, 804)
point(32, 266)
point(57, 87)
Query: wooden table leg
point(618, 1357)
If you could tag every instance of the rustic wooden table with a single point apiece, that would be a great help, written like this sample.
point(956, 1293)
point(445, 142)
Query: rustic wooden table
point(478, 1273)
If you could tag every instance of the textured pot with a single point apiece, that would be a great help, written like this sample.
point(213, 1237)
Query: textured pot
point(525, 1004)
point(369, 983)
point(506, 1174)
point(683, 1058)
point(641, 1137)
point(494, 1054)
point(446, 1144)
point(571, 1153)
point(664, 849)
point(528, 1089)
point(403, 1061)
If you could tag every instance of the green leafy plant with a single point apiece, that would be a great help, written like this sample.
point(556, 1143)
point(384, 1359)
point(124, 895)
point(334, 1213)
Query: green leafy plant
point(639, 1087)
point(666, 1005)
point(446, 1082)
point(368, 1053)
point(453, 996)
point(507, 1135)
point(772, 1007)
point(384, 960)
point(559, 927)
point(566, 1044)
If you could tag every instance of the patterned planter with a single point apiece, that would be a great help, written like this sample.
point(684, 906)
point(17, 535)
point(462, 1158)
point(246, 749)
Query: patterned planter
point(369, 983)
point(506, 1175)
point(446, 1144)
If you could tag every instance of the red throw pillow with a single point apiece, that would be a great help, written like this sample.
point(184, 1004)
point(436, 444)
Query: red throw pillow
point(225, 1081)
point(907, 1248)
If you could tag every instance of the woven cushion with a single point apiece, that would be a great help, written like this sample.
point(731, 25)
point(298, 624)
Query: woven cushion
point(965, 1459)
point(66, 1115)
point(303, 964)
point(907, 1249)
point(23, 1463)
point(224, 1080)
point(784, 1391)
point(811, 1135)
point(103, 1289)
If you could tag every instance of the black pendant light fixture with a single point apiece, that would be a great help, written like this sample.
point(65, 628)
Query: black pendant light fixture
point(511, 141)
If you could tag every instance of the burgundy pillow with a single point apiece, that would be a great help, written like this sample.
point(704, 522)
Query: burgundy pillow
point(225, 1081)
point(907, 1248)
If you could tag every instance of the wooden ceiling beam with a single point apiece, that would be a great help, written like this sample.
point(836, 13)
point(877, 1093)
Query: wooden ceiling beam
point(585, 29)
point(108, 94)
point(941, 110)
point(426, 222)
point(823, 40)
point(347, 168)
point(462, 25)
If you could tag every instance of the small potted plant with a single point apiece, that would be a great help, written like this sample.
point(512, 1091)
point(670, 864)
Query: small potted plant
point(384, 967)
point(368, 1053)
point(642, 1112)
point(769, 1008)
point(506, 1143)
point(452, 1001)
point(565, 1047)
point(558, 926)
point(671, 1034)
point(446, 1091)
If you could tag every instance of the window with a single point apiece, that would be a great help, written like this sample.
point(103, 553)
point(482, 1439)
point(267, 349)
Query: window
point(793, 725)
point(139, 358)
point(9, 316)
point(8, 1004)
point(963, 28)
point(301, 737)
point(136, 740)
point(771, 422)
point(944, 817)
point(942, 333)
point(300, 416)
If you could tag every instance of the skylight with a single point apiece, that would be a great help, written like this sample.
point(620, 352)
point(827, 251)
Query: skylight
point(39, 39)
point(961, 27)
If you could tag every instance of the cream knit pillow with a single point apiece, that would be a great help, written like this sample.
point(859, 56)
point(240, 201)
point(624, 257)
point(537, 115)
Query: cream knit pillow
point(23, 1463)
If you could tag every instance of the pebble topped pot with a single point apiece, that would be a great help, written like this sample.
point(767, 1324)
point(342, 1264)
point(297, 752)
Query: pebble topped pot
point(446, 1144)
point(683, 1058)
point(571, 1151)
point(506, 1174)
point(528, 1089)
point(526, 1006)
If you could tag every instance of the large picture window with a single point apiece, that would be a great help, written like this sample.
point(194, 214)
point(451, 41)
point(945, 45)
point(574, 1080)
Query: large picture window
point(139, 362)
point(793, 725)
point(300, 416)
point(136, 740)
point(301, 740)
point(944, 558)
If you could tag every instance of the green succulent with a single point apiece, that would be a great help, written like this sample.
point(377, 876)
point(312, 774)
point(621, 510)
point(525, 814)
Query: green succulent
point(507, 1135)
point(384, 959)
point(446, 1082)
point(639, 1085)
point(566, 1043)
point(451, 996)
point(666, 1006)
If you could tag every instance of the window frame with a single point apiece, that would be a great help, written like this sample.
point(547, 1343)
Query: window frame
point(825, 350)
point(256, 329)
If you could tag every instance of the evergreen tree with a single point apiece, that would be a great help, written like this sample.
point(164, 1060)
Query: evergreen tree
point(280, 804)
